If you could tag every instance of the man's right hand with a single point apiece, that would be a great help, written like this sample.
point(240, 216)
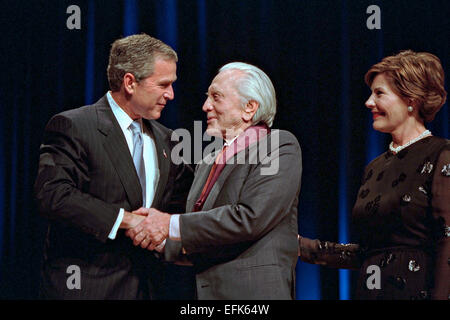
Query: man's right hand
point(131, 220)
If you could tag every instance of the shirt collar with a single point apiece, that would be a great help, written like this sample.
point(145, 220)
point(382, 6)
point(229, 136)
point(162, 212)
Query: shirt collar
point(248, 137)
point(229, 142)
point(122, 117)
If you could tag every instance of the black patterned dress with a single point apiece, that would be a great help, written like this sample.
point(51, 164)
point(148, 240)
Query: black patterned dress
point(401, 215)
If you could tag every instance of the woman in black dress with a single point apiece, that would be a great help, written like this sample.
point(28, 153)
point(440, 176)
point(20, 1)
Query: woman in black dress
point(402, 211)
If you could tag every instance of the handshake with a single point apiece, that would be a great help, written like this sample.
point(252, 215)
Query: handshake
point(147, 227)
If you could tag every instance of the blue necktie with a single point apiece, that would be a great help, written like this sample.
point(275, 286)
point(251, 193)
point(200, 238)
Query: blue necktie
point(138, 159)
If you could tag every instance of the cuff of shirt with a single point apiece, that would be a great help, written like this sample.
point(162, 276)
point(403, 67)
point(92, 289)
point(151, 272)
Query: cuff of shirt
point(113, 233)
point(174, 228)
point(160, 248)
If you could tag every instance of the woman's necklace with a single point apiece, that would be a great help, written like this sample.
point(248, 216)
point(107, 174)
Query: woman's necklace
point(400, 148)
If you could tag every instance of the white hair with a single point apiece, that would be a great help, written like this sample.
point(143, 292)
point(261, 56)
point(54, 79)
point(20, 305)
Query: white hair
point(255, 85)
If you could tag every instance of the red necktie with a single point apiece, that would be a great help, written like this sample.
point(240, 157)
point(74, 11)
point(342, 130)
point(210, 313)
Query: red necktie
point(240, 143)
point(210, 181)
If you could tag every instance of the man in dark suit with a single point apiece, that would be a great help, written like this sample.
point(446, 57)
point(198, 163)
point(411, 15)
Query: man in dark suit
point(240, 229)
point(100, 162)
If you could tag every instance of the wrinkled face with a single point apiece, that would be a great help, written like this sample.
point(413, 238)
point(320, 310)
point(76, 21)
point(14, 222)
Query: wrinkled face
point(223, 107)
point(389, 110)
point(152, 93)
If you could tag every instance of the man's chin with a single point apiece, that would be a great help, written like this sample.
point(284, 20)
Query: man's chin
point(213, 132)
point(153, 116)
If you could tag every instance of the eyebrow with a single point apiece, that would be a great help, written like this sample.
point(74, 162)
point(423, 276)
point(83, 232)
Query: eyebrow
point(169, 79)
point(166, 82)
point(214, 90)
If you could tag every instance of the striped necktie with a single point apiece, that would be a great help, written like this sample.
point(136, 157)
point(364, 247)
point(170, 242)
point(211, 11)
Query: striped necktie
point(138, 155)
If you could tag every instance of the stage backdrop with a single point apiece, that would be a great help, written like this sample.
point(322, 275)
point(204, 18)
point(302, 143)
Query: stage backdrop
point(315, 51)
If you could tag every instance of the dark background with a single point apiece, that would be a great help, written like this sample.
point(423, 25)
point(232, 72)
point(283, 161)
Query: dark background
point(316, 52)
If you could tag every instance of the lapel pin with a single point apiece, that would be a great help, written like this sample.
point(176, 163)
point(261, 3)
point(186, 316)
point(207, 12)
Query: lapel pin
point(164, 153)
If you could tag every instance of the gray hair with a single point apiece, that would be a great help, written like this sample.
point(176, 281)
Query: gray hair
point(255, 85)
point(136, 54)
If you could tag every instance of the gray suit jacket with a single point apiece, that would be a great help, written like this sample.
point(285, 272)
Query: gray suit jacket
point(244, 241)
point(86, 174)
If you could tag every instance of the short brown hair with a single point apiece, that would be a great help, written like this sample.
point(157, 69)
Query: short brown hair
point(414, 75)
point(135, 54)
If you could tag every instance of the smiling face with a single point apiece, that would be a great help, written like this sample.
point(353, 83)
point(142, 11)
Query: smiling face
point(389, 110)
point(151, 94)
point(225, 113)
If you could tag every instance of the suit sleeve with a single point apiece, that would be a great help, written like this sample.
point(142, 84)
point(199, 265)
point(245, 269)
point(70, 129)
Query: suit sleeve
point(264, 201)
point(441, 214)
point(330, 254)
point(172, 250)
point(177, 204)
point(63, 176)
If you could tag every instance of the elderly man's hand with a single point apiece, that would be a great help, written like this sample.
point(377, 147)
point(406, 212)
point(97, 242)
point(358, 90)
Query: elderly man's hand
point(152, 231)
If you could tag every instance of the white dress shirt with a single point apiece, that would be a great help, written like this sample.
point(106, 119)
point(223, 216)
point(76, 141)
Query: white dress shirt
point(149, 154)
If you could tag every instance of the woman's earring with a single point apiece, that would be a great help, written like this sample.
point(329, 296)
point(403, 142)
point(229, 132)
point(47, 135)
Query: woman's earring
point(410, 109)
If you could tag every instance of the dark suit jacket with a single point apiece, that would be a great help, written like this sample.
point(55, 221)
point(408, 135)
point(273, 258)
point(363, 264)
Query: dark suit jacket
point(244, 241)
point(86, 174)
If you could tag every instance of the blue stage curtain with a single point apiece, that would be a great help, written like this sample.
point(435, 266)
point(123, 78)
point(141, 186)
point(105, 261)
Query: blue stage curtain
point(316, 53)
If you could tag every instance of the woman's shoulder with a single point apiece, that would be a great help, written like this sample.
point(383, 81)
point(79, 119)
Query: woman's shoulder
point(439, 141)
point(437, 145)
point(379, 159)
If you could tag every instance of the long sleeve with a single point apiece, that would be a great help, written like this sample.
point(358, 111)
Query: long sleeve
point(62, 177)
point(441, 214)
point(329, 254)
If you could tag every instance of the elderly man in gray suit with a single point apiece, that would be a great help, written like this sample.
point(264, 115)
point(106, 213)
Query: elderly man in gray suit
point(240, 228)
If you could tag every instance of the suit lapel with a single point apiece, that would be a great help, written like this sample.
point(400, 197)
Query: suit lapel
point(200, 179)
point(217, 187)
point(163, 154)
point(118, 152)
point(201, 175)
point(250, 151)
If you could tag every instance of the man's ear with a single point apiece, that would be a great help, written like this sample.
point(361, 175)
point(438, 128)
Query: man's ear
point(250, 109)
point(129, 83)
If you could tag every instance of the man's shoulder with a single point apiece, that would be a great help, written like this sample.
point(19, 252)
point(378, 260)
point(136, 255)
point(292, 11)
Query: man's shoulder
point(83, 117)
point(83, 112)
point(284, 136)
point(77, 113)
